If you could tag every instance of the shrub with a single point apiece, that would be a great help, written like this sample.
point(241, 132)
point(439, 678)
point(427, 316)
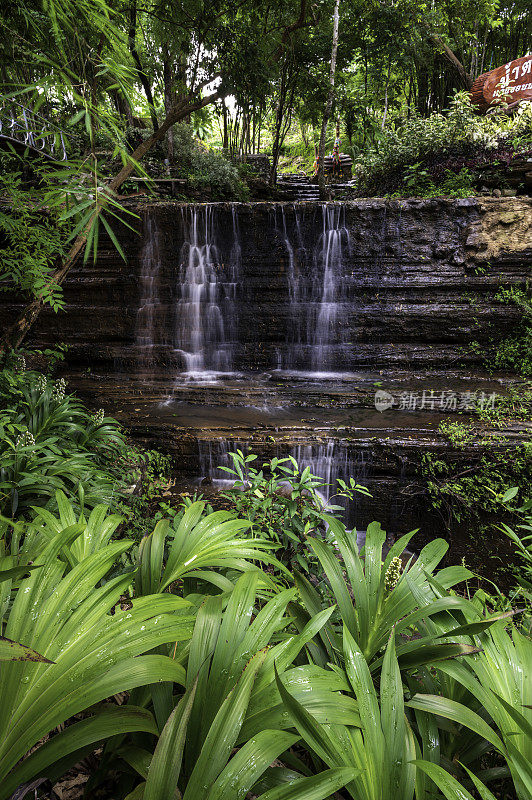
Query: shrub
point(31, 242)
point(50, 441)
point(283, 503)
point(206, 169)
point(443, 143)
point(418, 182)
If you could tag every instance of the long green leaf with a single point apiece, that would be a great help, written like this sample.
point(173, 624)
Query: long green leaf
point(457, 712)
point(165, 766)
point(249, 763)
point(222, 734)
point(13, 651)
point(318, 787)
point(449, 785)
point(109, 721)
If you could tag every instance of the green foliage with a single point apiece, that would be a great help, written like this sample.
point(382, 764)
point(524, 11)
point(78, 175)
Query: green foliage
point(459, 434)
point(227, 672)
point(206, 170)
point(381, 748)
point(515, 405)
point(383, 605)
point(31, 242)
point(229, 675)
point(419, 183)
point(410, 153)
point(492, 684)
point(91, 654)
point(282, 503)
point(469, 493)
point(520, 533)
point(515, 351)
point(195, 545)
point(51, 442)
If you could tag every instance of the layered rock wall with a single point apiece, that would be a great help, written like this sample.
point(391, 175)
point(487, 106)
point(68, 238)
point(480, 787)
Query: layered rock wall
point(418, 284)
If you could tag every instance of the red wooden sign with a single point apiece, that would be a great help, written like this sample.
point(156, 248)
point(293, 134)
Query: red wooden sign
point(510, 84)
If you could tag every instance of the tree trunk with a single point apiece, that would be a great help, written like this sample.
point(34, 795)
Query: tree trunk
point(14, 335)
point(169, 100)
point(278, 124)
point(136, 58)
point(329, 104)
point(225, 144)
point(385, 114)
point(465, 77)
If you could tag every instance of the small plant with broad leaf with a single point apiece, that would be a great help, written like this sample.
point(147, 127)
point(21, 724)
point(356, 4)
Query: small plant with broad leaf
point(283, 502)
point(85, 655)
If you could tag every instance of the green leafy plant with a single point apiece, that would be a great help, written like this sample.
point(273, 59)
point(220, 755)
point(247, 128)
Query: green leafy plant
point(51, 442)
point(469, 493)
point(231, 701)
point(374, 595)
point(90, 655)
point(206, 169)
point(495, 686)
point(521, 537)
point(195, 545)
point(283, 503)
point(33, 241)
point(382, 747)
point(411, 153)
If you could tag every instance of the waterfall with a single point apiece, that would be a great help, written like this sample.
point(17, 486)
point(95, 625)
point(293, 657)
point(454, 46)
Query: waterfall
point(332, 461)
point(333, 241)
point(150, 303)
point(315, 286)
point(329, 461)
point(213, 454)
point(205, 312)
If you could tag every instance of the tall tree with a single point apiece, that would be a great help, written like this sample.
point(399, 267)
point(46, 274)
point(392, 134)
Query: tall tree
point(330, 100)
point(146, 85)
point(213, 44)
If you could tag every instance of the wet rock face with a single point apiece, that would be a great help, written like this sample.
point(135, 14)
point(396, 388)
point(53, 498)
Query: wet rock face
point(390, 291)
point(503, 230)
point(416, 282)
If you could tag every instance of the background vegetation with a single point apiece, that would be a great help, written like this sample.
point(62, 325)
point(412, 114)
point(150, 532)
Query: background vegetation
point(163, 649)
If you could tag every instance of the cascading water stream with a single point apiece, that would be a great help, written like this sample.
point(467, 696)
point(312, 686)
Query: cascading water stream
point(205, 310)
point(199, 326)
point(150, 303)
point(329, 461)
point(332, 461)
point(315, 287)
point(330, 258)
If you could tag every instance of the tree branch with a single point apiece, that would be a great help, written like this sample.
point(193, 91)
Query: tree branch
point(465, 76)
point(14, 335)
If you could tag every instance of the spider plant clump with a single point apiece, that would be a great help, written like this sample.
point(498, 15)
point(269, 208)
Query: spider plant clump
point(50, 441)
point(370, 674)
